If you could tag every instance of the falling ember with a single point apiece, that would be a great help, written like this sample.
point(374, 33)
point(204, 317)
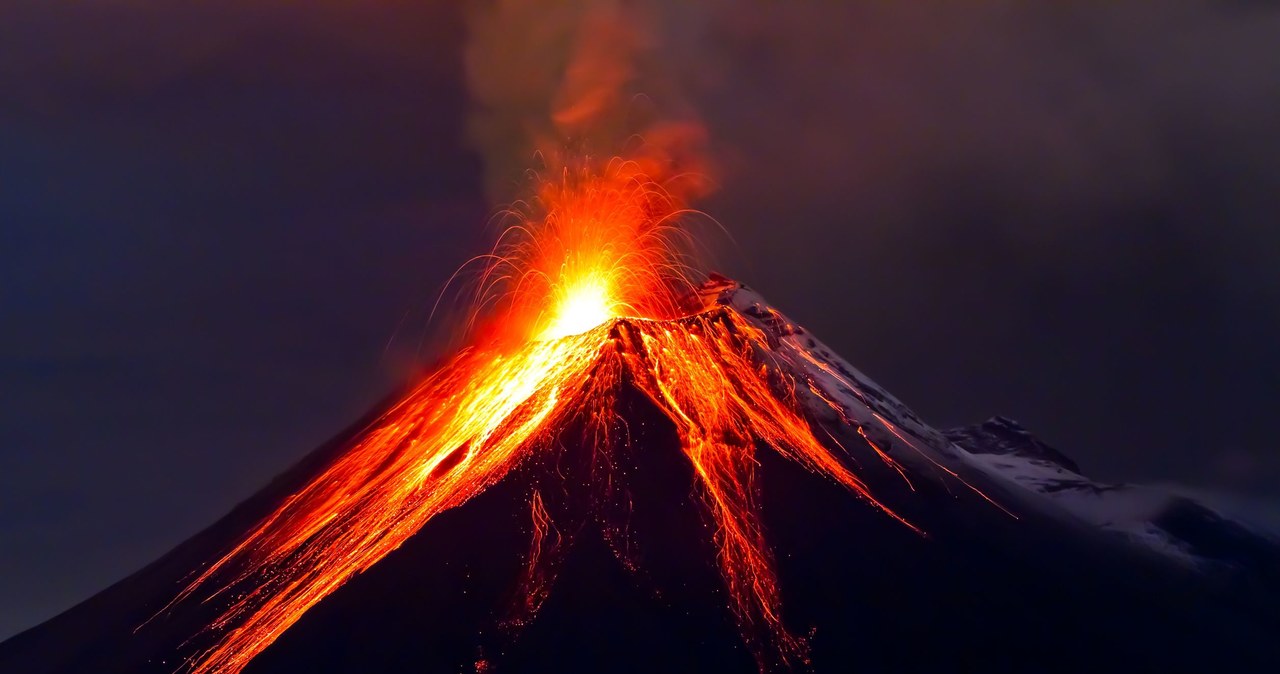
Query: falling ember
point(589, 296)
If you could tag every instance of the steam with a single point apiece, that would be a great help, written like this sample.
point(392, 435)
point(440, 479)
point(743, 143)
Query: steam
point(552, 82)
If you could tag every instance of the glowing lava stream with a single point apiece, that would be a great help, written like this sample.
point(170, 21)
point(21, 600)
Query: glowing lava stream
point(594, 258)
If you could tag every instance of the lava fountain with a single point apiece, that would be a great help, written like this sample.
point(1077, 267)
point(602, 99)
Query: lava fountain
point(593, 291)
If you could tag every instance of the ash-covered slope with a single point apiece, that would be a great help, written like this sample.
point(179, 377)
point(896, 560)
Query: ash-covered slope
point(1007, 578)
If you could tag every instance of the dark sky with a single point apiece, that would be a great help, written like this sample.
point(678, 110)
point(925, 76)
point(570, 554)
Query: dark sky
point(222, 225)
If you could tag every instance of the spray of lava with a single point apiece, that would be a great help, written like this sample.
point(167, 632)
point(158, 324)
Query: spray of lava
point(588, 295)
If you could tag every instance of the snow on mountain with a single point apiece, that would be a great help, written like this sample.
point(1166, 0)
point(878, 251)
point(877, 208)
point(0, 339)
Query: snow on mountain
point(1178, 527)
point(1174, 525)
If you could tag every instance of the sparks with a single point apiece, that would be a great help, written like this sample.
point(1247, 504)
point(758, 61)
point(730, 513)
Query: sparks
point(589, 296)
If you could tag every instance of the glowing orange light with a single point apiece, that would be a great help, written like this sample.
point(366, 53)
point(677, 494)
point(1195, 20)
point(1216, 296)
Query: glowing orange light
point(584, 306)
point(595, 296)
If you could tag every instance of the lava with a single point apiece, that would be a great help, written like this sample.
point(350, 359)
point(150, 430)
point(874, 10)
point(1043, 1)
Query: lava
point(588, 295)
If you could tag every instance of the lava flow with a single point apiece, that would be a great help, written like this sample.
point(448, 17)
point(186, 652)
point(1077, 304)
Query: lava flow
point(592, 293)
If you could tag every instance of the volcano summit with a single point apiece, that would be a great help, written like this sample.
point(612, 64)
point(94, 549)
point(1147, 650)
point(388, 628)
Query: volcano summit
point(626, 470)
point(715, 492)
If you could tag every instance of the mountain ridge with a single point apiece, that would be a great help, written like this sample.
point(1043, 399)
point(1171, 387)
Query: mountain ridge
point(992, 542)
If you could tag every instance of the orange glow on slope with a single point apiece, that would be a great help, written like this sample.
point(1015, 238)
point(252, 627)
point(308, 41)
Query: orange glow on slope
point(536, 583)
point(593, 303)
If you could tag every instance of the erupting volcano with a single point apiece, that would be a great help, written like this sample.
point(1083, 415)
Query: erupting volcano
point(593, 296)
point(638, 417)
point(613, 395)
point(634, 464)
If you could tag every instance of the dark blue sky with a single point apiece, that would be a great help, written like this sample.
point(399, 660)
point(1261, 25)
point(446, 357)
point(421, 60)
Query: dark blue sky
point(222, 225)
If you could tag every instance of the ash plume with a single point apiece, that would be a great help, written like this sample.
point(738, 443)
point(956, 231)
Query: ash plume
point(550, 80)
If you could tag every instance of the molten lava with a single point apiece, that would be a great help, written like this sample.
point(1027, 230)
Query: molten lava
point(590, 296)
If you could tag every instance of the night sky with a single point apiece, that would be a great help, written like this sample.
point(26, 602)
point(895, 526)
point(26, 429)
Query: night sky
point(222, 226)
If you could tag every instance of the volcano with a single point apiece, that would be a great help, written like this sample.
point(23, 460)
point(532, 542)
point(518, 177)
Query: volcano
point(815, 523)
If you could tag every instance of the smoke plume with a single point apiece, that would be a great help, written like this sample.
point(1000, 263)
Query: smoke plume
point(553, 83)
